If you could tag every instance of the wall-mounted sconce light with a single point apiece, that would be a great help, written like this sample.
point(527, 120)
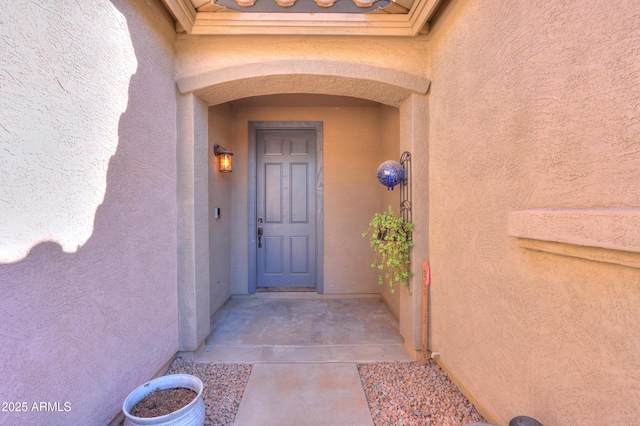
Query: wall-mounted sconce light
point(225, 158)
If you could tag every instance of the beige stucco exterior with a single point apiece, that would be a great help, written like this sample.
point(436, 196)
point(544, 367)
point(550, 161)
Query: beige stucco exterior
point(522, 122)
point(88, 163)
point(535, 107)
point(198, 55)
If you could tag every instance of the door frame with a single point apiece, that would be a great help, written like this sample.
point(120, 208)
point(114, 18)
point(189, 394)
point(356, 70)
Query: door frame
point(252, 227)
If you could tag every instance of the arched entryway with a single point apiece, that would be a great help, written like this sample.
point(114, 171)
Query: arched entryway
point(386, 86)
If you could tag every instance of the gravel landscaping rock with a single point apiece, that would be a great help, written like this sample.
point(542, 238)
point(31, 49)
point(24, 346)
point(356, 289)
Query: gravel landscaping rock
point(406, 393)
point(223, 387)
point(399, 393)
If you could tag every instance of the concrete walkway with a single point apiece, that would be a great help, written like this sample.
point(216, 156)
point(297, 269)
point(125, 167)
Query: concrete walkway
point(304, 348)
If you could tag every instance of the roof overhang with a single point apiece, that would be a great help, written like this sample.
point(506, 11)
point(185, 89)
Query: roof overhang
point(210, 19)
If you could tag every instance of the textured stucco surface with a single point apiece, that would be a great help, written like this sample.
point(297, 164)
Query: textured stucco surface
point(198, 55)
point(414, 137)
point(390, 150)
point(615, 229)
point(385, 85)
point(192, 157)
point(87, 153)
point(221, 69)
point(51, 198)
point(534, 106)
point(220, 192)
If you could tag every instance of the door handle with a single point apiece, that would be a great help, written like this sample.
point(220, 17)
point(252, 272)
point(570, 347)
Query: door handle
point(259, 236)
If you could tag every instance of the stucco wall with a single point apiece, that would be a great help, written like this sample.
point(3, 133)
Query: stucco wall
point(534, 105)
point(198, 54)
point(87, 205)
point(352, 152)
point(220, 190)
point(389, 150)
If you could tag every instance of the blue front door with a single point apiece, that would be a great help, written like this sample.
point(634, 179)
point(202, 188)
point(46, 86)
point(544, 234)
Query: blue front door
point(286, 205)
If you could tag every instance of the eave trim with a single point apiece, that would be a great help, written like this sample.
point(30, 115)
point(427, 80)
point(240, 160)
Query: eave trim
point(211, 23)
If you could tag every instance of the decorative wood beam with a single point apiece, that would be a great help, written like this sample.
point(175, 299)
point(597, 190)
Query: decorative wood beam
point(184, 13)
point(420, 14)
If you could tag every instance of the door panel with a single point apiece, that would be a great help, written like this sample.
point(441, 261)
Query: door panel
point(299, 255)
point(273, 255)
point(285, 195)
point(299, 193)
point(273, 187)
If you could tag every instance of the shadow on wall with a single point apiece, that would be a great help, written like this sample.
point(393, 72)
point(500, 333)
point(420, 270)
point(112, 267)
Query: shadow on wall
point(86, 327)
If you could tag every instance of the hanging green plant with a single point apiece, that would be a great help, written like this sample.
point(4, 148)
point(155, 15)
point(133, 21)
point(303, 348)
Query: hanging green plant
point(390, 238)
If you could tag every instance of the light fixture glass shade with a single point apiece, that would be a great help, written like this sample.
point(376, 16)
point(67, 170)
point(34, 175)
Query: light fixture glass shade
point(225, 158)
point(390, 173)
point(225, 162)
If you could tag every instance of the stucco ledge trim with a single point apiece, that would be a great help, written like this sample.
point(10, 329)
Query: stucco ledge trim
point(610, 235)
point(399, 83)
